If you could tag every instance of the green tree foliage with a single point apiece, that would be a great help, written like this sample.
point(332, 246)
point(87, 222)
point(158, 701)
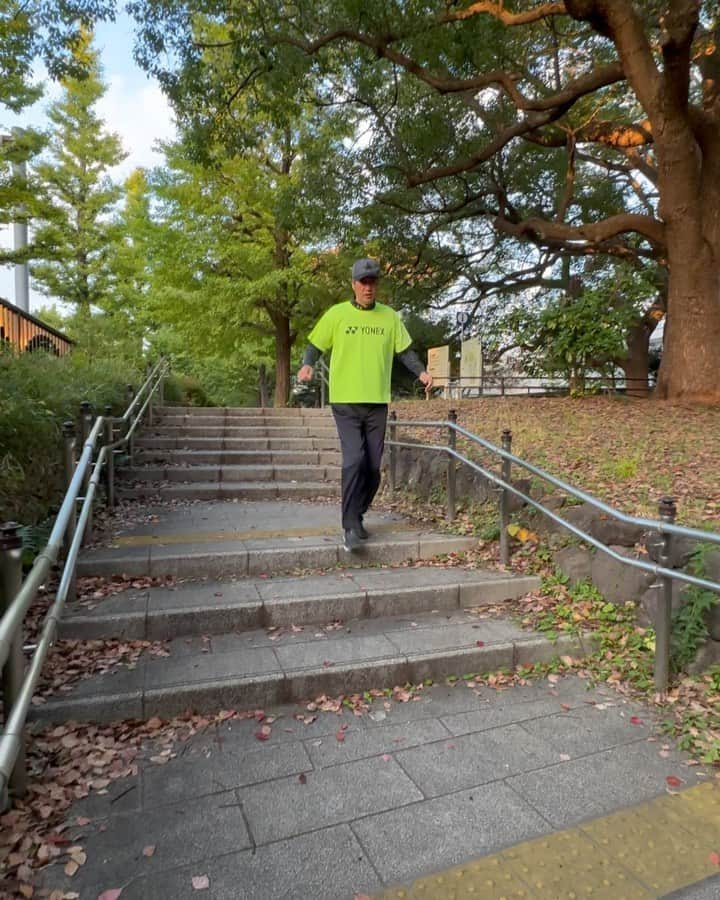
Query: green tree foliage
point(571, 333)
point(228, 269)
point(38, 30)
point(580, 127)
point(75, 237)
point(39, 393)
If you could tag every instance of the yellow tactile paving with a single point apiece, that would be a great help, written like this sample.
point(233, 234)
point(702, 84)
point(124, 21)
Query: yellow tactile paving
point(210, 537)
point(636, 854)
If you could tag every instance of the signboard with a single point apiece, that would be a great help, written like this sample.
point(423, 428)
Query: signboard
point(439, 365)
point(462, 318)
point(471, 363)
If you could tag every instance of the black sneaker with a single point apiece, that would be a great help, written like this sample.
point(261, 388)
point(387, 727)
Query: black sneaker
point(361, 531)
point(351, 539)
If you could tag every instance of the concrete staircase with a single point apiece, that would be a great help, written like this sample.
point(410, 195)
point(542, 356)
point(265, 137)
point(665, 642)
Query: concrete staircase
point(208, 454)
point(262, 605)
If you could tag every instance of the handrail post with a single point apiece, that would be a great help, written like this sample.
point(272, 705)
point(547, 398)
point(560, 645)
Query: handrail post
point(69, 468)
point(151, 400)
point(131, 442)
point(161, 389)
point(505, 500)
point(110, 458)
point(451, 466)
point(663, 624)
point(322, 388)
point(393, 451)
point(86, 427)
point(14, 669)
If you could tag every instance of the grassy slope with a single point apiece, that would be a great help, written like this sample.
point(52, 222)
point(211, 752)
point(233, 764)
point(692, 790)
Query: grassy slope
point(626, 452)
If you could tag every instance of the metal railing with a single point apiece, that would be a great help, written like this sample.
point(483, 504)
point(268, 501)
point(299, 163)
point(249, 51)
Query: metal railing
point(70, 531)
point(665, 527)
point(526, 386)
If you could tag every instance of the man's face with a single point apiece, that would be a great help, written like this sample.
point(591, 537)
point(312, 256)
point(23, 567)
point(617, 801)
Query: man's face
point(365, 291)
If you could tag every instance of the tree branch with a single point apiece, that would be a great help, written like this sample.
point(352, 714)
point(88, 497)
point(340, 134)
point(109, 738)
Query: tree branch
point(495, 8)
point(678, 28)
point(594, 233)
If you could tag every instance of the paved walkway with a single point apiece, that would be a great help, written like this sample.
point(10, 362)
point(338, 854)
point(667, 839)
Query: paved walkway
point(410, 789)
point(549, 790)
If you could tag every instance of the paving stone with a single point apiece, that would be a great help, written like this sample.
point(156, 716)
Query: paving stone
point(215, 770)
point(204, 595)
point(493, 716)
point(162, 625)
point(470, 660)
point(104, 707)
point(709, 889)
point(284, 588)
point(186, 562)
point(286, 807)
point(399, 601)
point(308, 610)
point(327, 865)
point(309, 655)
point(599, 783)
point(123, 795)
point(360, 742)
point(181, 834)
point(210, 666)
point(427, 640)
point(588, 729)
point(212, 696)
point(428, 836)
point(474, 759)
point(349, 678)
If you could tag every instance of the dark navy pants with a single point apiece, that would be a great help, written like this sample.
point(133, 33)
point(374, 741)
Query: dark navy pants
point(361, 428)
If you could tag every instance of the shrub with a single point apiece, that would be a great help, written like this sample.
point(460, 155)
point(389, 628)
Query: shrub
point(39, 392)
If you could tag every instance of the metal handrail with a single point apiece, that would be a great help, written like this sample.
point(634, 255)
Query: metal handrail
point(11, 740)
point(665, 528)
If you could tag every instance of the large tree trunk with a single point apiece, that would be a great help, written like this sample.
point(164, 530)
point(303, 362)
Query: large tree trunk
point(283, 344)
point(263, 394)
point(691, 209)
point(636, 365)
point(689, 366)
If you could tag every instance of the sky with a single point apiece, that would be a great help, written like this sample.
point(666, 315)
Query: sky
point(133, 107)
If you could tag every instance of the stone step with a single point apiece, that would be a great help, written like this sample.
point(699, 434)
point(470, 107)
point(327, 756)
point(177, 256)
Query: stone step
point(239, 412)
point(230, 490)
point(146, 455)
point(216, 607)
point(258, 669)
point(228, 554)
point(233, 431)
point(238, 443)
point(230, 474)
point(170, 421)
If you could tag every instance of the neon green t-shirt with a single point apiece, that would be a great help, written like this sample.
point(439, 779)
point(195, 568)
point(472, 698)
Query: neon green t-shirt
point(363, 343)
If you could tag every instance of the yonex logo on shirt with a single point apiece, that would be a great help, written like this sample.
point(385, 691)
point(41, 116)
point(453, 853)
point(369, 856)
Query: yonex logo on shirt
point(365, 329)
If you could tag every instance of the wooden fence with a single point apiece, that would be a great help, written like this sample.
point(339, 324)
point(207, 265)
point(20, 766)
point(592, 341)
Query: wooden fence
point(26, 333)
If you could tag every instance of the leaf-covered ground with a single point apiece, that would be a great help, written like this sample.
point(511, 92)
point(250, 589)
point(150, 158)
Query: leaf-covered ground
point(629, 453)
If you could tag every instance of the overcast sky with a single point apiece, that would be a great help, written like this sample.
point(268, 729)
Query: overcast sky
point(133, 107)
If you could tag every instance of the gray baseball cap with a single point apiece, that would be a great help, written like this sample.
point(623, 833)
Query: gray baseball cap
point(365, 268)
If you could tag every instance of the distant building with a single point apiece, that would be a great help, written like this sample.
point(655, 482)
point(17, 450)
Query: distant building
point(26, 333)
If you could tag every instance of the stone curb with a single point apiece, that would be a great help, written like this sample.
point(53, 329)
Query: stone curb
point(244, 615)
point(295, 685)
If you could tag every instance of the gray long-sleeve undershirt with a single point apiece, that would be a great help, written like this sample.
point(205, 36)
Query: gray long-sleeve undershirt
point(408, 358)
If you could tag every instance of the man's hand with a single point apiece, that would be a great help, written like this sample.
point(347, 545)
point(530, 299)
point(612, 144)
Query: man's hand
point(427, 380)
point(305, 373)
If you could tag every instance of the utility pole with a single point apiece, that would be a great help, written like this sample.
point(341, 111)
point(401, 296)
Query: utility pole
point(20, 231)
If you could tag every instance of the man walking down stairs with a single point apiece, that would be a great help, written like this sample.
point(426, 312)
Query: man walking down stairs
point(337, 743)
